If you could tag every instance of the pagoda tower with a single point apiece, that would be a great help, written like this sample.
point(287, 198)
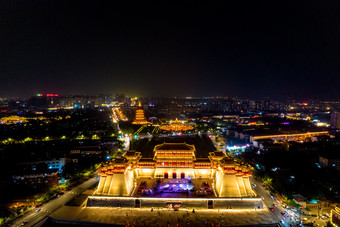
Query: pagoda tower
point(140, 118)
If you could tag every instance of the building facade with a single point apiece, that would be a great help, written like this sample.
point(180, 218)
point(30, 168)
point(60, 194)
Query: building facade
point(175, 162)
point(140, 118)
point(335, 119)
point(37, 181)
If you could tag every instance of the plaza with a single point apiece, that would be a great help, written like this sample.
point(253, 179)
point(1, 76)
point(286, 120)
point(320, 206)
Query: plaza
point(174, 188)
point(165, 217)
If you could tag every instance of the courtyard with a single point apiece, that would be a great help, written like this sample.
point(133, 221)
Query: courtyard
point(166, 217)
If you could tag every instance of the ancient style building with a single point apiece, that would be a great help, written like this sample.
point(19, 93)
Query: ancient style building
point(175, 163)
point(176, 126)
point(140, 118)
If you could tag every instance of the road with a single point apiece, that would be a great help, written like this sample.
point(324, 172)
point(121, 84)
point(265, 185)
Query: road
point(294, 217)
point(268, 201)
point(127, 142)
point(34, 217)
point(219, 145)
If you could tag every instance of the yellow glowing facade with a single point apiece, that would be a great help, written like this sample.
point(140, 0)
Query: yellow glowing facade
point(140, 118)
point(13, 120)
point(289, 136)
point(176, 126)
point(175, 161)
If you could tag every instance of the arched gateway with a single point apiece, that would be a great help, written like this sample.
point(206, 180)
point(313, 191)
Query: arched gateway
point(132, 174)
point(174, 175)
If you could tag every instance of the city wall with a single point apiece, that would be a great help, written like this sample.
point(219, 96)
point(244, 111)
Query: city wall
point(192, 203)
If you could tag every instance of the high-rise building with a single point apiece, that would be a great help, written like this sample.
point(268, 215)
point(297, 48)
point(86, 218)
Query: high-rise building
point(335, 119)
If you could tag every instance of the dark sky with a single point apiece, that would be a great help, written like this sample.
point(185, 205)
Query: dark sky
point(249, 49)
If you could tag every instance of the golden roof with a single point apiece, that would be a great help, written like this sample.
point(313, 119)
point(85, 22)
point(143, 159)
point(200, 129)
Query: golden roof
point(176, 126)
point(174, 146)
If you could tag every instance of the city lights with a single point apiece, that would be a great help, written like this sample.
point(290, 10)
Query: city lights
point(212, 114)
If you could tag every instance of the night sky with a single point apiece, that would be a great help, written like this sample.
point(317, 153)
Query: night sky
point(249, 49)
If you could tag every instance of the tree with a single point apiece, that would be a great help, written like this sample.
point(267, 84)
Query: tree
point(268, 181)
point(2, 221)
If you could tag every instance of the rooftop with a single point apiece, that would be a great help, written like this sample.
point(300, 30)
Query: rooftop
point(146, 160)
point(228, 161)
point(200, 160)
point(119, 161)
point(174, 146)
point(130, 153)
point(202, 144)
point(218, 153)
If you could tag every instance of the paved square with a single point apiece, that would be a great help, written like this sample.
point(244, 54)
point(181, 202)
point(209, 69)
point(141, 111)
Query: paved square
point(164, 217)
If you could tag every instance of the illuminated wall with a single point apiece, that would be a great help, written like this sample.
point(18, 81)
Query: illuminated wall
point(232, 185)
point(226, 185)
point(101, 184)
point(204, 173)
point(175, 161)
point(145, 172)
point(188, 172)
point(116, 184)
point(219, 181)
point(129, 180)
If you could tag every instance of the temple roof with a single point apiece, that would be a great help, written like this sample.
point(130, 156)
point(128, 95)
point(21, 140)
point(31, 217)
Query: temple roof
point(218, 153)
point(146, 160)
point(228, 161)
point(174, 146)
point(200, 160)
point(131, 153)
point(119, 161)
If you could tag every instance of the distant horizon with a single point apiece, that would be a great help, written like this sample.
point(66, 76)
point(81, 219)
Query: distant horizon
point(179, 97)
point(244, 49)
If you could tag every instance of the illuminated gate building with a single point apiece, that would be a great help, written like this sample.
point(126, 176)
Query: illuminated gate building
point(175, 163)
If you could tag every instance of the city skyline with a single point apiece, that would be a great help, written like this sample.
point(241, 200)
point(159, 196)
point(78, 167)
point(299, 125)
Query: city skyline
point(247, 50)
point(222, 113)
point(109, 96)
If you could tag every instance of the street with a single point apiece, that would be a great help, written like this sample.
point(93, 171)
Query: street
point(219, 145)
point(126, 140)
point(33, 217)
point(294, 217)
point(268, 201)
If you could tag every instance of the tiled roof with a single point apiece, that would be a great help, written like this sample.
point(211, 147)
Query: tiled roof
point(174, 146)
